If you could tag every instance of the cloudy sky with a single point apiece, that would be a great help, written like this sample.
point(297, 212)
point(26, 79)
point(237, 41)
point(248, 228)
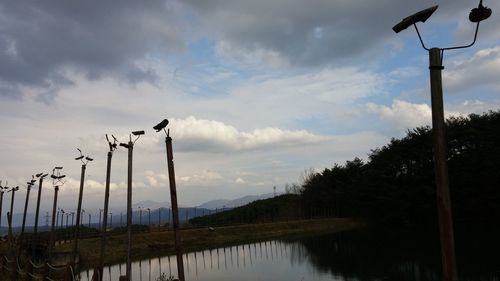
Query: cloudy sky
point(256, 91)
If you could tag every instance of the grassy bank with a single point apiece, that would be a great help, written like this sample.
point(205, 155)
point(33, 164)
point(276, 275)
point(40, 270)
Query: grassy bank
point(152, 244)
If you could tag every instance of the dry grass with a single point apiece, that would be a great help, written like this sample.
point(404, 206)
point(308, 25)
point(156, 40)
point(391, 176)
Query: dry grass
point(153, 244)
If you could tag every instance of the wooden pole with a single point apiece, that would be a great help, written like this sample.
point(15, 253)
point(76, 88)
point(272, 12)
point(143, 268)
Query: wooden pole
point(175, 210)
point(105, 220)
point(441, 168)
point(78, 213)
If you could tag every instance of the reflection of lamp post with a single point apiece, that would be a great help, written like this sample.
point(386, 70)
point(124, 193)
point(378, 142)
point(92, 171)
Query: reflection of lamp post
point(438, 124)
point(85, 161)
point(130, 147)
point(173, 197)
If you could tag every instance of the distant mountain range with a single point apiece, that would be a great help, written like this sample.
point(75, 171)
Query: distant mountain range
point(185, 213)
point(224, 203)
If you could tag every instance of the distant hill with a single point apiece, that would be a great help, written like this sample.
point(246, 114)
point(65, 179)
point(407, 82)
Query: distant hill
point(281, 207)
point(226, 203)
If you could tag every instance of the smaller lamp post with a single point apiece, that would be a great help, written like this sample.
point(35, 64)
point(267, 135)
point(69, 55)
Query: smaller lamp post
point(28, 189)
point(57, 181)
point(85, 160)
point(10, 215)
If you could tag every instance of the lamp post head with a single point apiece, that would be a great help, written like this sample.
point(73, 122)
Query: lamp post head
point(160, 126)
point(138, 133)
point(124, 145)
point(480, 13)
point(421, 16)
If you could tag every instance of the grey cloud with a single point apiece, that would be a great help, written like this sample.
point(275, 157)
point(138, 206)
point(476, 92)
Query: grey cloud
point(315, 32)
point(41, 41)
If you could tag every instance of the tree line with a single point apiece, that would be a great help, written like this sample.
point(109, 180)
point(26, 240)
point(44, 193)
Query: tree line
point(396, 183)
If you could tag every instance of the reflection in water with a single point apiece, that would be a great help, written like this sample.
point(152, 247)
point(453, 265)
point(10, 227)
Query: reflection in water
point(369, 254)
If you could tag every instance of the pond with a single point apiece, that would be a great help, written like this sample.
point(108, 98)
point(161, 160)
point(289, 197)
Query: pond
point(365, 254)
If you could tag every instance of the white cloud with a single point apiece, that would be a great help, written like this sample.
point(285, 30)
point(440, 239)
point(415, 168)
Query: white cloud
point(253, 56)
point(204, 177)
point(210, 135)
point(405, 72)
point(403, 114)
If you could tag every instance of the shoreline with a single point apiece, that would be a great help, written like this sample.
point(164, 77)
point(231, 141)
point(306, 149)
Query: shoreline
point(161, 243)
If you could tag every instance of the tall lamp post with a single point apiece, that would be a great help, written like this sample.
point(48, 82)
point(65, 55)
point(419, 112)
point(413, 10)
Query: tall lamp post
point(130, 147)
point(438, 124)
point(10, 215)
point(85, 160)
point(62, 218)
point(40, 177)
point(100, 220)
point(149, 217)
point(1, 201)
point(28, 189)
point(140, 215)
point(173, 196)
point(112, 147)
point(57, 181)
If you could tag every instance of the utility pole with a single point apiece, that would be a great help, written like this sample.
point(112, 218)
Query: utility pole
point(173, 197)
point(11, 214)
point(130, 148)
point(28, 188)
point(112, 147)
point(80, 195)
point(438, 127)
point(56, 182)
point(41, 176)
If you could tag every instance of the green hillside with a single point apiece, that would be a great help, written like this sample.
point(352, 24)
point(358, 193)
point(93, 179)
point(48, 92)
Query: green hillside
point(396, 184)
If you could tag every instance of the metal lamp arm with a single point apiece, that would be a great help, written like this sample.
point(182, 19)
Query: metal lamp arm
point(420, 37)
point(465, 46)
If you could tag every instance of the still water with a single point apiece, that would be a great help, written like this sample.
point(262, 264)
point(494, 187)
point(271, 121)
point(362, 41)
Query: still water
point(368, 254)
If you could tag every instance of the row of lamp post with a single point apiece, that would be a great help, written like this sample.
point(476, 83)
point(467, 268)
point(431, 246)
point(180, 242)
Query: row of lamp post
point(58, 182)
